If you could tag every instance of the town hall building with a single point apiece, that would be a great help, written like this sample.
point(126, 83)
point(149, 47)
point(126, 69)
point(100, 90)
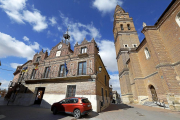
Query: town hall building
point(63, 73)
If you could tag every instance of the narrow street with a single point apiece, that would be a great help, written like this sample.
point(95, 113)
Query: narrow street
point(113, 112)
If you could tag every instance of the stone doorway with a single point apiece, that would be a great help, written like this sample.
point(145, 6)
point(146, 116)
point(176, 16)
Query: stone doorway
point(153, 93)
point(39, 95)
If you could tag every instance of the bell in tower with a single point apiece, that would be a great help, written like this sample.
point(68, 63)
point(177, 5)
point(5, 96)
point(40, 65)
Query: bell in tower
point(66, 37)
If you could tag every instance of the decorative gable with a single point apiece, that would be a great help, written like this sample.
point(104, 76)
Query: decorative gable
point(84, 41)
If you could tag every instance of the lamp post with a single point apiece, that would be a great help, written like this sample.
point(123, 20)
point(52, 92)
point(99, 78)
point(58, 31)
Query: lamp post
point(100, 69)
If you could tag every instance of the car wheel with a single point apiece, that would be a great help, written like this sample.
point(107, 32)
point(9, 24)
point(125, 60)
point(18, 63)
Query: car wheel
point(54, 110)
point(77, 113)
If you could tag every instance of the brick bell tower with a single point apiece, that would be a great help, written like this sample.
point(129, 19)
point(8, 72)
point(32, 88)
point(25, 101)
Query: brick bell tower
point(125, 38)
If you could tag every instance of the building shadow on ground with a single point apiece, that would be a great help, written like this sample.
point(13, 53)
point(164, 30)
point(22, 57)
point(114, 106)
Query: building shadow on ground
point(114, 107)
point(90, 115)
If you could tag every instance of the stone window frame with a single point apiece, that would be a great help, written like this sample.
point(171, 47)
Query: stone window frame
point(85, 50)
point(177, 19)
point(128, 26)
point(106, 94)
point(82, 68)
point(125, 45)
point(47, 76)
point(102, 93)
point(60, 71)
point(21, 77)
point(146, 52)
point(38, 58)
point(33, 74)
point(121, 26)
point(67, 90)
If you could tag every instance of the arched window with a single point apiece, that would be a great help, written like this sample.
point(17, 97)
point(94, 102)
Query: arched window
point(122, 27)
point(128, 25)
point(146, 53)
point(178, 19)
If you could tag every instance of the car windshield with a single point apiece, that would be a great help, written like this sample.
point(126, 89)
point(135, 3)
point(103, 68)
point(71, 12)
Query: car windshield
point(85, 101)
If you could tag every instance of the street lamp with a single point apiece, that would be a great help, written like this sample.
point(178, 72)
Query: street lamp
point(100, 68)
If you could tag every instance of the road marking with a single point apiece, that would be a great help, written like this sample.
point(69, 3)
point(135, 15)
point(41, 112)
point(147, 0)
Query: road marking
point(2, 116)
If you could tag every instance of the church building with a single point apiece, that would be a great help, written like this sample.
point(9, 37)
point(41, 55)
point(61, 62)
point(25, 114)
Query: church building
point(150, 70)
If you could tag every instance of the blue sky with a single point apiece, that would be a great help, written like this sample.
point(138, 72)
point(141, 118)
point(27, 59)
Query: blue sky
point(27, 26)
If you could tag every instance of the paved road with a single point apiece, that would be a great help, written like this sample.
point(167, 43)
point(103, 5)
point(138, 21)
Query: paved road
point(113, 112)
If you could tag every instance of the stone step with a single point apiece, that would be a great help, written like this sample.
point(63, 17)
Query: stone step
point(156, 104)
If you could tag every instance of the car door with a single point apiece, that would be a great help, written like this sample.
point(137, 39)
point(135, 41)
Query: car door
point(61, 105)
point(64, 104)
point(71, 105)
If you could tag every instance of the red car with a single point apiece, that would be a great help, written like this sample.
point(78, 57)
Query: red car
point(76, 106)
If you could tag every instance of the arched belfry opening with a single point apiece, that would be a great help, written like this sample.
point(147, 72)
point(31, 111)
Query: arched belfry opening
point(153, 93)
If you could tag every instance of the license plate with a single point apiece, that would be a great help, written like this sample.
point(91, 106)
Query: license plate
point(89, 105)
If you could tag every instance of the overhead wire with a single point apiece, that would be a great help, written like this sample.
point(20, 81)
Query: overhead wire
point(6, 69)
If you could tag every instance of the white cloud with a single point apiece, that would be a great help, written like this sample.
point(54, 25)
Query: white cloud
point(12, 47)
point(106, 6)
point(4, 84)
point(14, 65)
point(108, 54)
point(53, 21)
point(59, 28)
point(17, 11)
point(25, 38)
point(114, 81)
point(79, 31)
point(35, 46)
point(35, 19)
point(12, 8)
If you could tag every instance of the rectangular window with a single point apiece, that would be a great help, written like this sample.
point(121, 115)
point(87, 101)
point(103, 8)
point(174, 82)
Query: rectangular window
point(128, 25)
point(71, 91)
point(83, 50)
point(122, 27)
point(73, 100)
point(21, 77)
point(46, 73)
point(105, 80)
point(82, 68)
point(106, 94)
point(102, 94)
point(33, 74)
point(38, 59)
point(62, 71)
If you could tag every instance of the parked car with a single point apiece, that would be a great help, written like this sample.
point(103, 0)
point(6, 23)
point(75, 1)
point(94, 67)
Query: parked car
point(76, 106)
